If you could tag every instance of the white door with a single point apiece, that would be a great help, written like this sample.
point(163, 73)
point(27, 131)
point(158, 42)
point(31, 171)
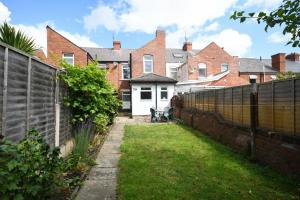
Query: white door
point(126, 96)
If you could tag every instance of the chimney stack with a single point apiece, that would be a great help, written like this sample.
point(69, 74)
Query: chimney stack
point(293, 57)
point(278, 62)
point(161, 37)
point(187, 46)
point(116, 45)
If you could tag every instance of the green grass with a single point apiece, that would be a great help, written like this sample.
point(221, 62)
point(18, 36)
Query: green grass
point(176, 162)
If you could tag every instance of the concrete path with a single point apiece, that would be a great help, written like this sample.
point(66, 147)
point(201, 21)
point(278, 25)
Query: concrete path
point(102, 180)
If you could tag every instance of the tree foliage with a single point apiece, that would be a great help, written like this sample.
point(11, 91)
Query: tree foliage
point(287, 15)
point(17, 39)
point(91, 96)
point(287, 75)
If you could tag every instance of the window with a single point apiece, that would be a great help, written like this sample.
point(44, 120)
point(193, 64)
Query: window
point(125, 71)
point(69, 58)
point(102, 66)
point(173, 72)
point(146, 93)
point(163, 93)
point(148, 64)
point(201, 70)
point(126, 96)
point(224, 67)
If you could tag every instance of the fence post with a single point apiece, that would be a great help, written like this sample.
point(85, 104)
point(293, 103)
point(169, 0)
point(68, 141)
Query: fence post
point(5, 72)
point(253, 114)
point(232, 105)
point(293, 106)
point(273, 117)
point(57, 109)
point(28, 93)
point(242, 94)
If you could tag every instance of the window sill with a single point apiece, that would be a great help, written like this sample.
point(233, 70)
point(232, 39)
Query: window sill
point(164, 99)
point(124, 79)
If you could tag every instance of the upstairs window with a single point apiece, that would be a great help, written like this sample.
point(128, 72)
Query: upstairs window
point(146, 93)
point(125, 71)
point(202, 70)
point(224, 67)
point(148, 63)
point(163, 93)
point(69, 58)
point(173, 72)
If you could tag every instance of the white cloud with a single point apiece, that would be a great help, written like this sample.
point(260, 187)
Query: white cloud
point(265, 4)
point(234, 42)
point(80, 40)
point(101, 15)
point(4, 13)
point(212, 27)
point(278, 37)
point(39, 34)
point(146, 16)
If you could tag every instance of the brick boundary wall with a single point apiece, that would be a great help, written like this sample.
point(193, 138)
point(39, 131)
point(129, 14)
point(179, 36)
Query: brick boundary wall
point(281, 153)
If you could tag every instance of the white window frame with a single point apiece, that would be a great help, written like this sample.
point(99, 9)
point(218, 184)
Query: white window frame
point(202, 66)
point(143, 90)
point(123, 67)
point(103, 66)
point(64, 57)
point(164, 90)
point(150, 60)
point(226, 68)
point(170, 71)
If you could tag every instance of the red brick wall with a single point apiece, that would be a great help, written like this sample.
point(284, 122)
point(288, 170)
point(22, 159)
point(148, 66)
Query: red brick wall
point(280, 153)
point(57, 45)
point(114, 76)
point(156, 48)
point(260, 77)
point(213, 56)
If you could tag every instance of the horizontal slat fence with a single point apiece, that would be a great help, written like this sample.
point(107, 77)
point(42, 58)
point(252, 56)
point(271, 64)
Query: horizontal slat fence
point(28, 99)
point(278, 105)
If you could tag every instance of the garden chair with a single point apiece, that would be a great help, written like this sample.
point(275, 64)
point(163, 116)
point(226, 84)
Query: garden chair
point(167, 114)
point(154, 115)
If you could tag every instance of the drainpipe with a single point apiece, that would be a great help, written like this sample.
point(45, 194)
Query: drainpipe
point(156, 96)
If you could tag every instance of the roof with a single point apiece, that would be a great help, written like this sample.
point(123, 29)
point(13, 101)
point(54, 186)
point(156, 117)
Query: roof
point(292, 66)
point(256, 65)
point(152, 78)
point(109, 54)
point(178, 55)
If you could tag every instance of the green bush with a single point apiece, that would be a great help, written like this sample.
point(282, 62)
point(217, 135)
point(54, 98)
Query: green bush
point(29, 169)
point(90, 95)
point(287, 75)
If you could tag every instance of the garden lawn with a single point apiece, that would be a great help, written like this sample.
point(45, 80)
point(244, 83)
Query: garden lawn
point(176, 162)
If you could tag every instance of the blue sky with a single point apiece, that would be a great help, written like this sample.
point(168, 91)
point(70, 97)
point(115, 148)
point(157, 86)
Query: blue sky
point(93, 23)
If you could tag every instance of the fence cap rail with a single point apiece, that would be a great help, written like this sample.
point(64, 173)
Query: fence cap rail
point(27, 55)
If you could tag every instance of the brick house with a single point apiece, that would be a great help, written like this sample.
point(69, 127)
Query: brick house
point(145, 77)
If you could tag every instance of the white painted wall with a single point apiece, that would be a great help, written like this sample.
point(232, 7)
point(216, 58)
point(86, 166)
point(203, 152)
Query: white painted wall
point(142, 107)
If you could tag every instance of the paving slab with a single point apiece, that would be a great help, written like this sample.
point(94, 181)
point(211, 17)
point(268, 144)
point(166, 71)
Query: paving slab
point(101, 183)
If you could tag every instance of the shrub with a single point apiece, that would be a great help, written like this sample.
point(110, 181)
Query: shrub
point(287, 75)
point(90, 95)
point(29, 169)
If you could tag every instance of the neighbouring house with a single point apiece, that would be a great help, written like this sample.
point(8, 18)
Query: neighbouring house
point(150, 75)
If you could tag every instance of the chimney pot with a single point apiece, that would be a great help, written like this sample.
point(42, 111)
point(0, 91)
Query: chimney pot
point(187, 46)
point(293, 57)
point(116, 45)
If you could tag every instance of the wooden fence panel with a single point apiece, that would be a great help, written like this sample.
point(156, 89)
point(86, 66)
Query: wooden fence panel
point(228, 104)
point(246, 105)
point(219, 102)
point(16, 105)
point(297, 107)
point(2, 52)
point(237, 105)
point(265, 113)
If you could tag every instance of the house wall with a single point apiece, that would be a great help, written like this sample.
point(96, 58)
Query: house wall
point(57, 45)
point(114, 75)
point(142, 107)
point(156, 48)
point(260, 77)
point(213, 56)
